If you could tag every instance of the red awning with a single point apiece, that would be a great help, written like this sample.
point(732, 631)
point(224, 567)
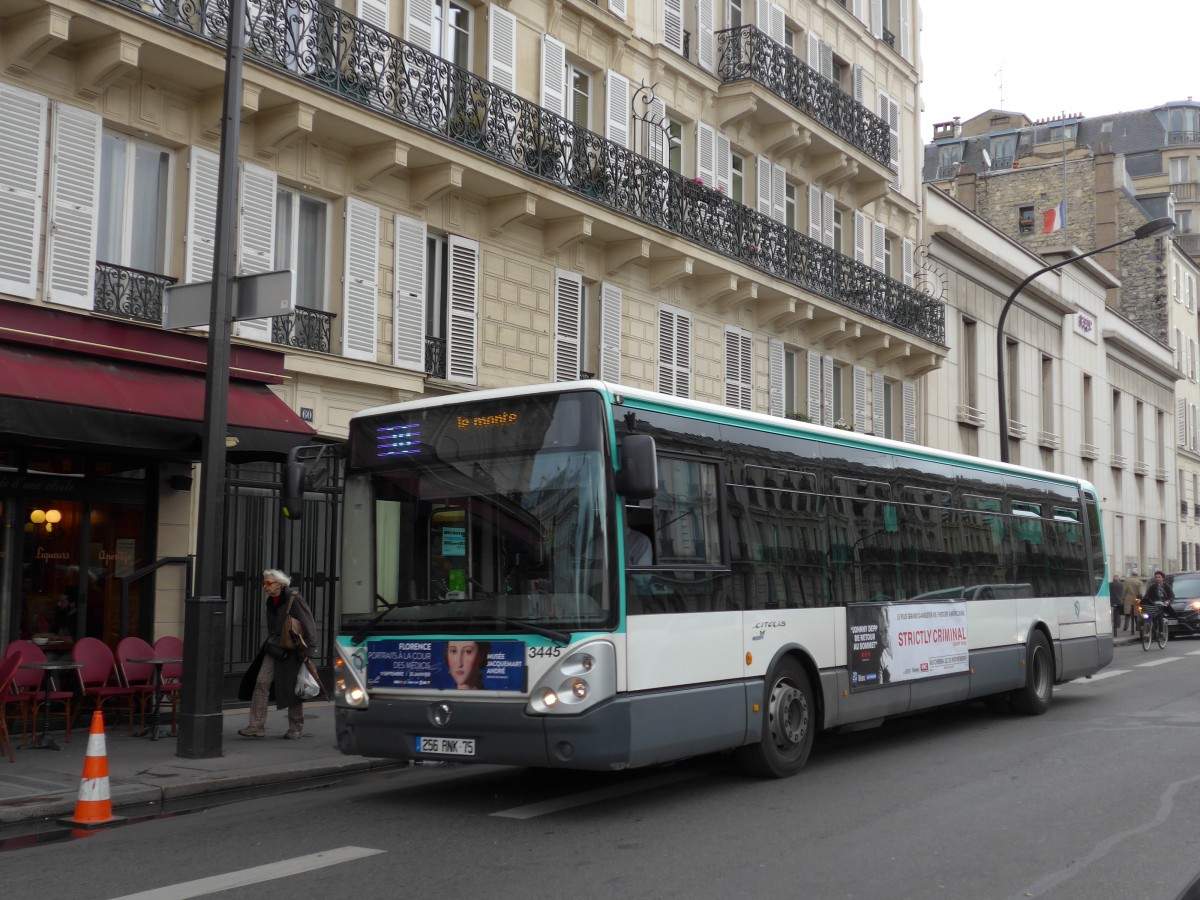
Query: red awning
point(89, 399)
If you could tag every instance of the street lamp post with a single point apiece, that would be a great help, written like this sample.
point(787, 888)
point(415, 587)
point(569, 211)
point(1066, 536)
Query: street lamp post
point(1153, 228)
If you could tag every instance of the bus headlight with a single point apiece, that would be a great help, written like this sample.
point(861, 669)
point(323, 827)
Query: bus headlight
point(348, 687)
point(581, 679)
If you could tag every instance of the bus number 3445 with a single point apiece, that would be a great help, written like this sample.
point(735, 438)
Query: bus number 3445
point(535, 652)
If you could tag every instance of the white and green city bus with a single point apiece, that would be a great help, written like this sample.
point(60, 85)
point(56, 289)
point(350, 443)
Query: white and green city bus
point(800, 579)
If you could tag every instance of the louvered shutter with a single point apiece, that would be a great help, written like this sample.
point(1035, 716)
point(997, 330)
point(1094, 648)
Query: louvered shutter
point(878, 407)
point(877, 18)
point(908, 260)
point(204, 169)
point(568, 316)
point(683, 354)
point(375, 12)
point(360, 280)
point(889, 111)
point(554, 75)
point(779, 193)
point(739, 368)
point(502, 48)
point(1177, 350)
point(673, 24)
point(860, 237)
point(826, 390)
point(826, 61)
point(617, 8)
point(409, 246)
point(878, 236)
point(1181, 421)
point(814, 213)
point(813, 56)
point(706, 52)
point(910, 412)
point(706, 154)
point(418, 24)
point(22, 168)
point(905, 40)
point(74, 191)
point(674, 351)
point(464, 309)
point(611, 302)
point(827, 208)
point(856, 80)
point(256, 236)
point(860, 398)
point(616, 108)
point(762, 15)
point(775, 374)
point(778, 23)
point(724, 162)
point(814, 386)
point(764, 173)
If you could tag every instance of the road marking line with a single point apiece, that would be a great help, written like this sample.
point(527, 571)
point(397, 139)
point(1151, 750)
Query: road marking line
point(608, 793)
point(1159, 662)
point(282, 869)
point(1194, 653)
point(1099, 676)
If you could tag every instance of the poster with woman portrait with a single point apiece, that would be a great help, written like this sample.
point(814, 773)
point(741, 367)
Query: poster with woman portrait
point(447, 665)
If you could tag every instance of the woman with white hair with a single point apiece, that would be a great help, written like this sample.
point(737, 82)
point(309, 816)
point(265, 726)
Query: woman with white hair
point(275, 669)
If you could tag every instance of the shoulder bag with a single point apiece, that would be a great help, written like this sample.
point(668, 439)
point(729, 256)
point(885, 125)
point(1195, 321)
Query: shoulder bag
point(291, 634)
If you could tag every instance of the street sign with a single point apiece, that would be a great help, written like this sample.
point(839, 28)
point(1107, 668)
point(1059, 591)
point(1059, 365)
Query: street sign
point(258, 296)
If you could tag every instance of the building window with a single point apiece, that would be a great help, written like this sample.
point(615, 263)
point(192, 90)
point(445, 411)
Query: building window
point(791, 360)
point(1183, 221)
point(1085, 410)
point(888, 247)
point(1117, 431)
point(789, 205)
point(302, 244)
point(675, 146)
point(452, 32)
point(733, 14)
point(969, 365)
point(949, 157)
point(841, 384)
point(134, 203)
point(737, 177)
point(1048, 395)
point(1004, 151)
point(837, 231)
point(580, 99)
point(437, 277)
point(1025, 220)
point(1179, 169)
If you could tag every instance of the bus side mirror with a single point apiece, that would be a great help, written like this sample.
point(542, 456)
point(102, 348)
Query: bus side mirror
point(638, 477)
point(292, 501)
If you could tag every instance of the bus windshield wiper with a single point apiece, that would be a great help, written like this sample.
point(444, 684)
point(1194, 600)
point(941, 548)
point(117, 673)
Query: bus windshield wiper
point(361, 634)
point(559, 637)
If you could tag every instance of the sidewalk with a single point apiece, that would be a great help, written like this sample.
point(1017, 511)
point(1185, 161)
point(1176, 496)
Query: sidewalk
point(144, 774)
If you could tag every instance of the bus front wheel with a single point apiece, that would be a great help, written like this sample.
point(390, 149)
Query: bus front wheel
point(1034, 698)
point(789, 724)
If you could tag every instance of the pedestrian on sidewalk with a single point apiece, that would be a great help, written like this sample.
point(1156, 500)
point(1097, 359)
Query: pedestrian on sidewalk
point(1131, 598)
point(273, 673)
point(1116, 599)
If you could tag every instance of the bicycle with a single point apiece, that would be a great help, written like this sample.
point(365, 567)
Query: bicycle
point(1152, 625)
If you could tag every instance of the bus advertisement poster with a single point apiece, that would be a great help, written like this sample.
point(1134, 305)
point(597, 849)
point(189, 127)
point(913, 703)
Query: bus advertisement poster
point(890, 643)
point(446, 664)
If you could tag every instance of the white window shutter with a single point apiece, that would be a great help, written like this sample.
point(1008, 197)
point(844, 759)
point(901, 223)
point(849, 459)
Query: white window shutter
point(204, 169)
point(878, 235)
point(813, 57)
point(860, 237)
point(409, 246)
point(360, 280)
point(877, 18)
point(617, 8)
point(706, 165)
point(464, 309)
point(778, 23)
point(779, 193)
point(554, 75)
point(1181, 421)
point(502, 48)
point(878, 413)
point(889, 111)
point(826, 390)
point(814, 213)
point(418, 24)
point(683, 354)
point(22, 168)
point(814, 386)
point(909, 262)
point(910, 412)
point(724, 162)
point(376, 13)
point(616, 108)
point(775, 376)
point(762, 15)
point(739, 368)
point(256, 236)
point(568, 328)
point(905, 40)
point(826, 61)
point(611, 302)
point(860, 398)
point(672, 23)
point(764, 173)
point(827, 208)
point(74, 192)
point(706, 53)
point(1177, 350)
point(674, 351)
point(857, 82)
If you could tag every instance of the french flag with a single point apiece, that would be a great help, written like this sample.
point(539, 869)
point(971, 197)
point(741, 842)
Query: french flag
point(1052, 219)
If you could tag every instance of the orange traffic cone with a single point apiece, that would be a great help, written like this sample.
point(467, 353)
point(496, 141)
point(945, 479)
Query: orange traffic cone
point(94, 806)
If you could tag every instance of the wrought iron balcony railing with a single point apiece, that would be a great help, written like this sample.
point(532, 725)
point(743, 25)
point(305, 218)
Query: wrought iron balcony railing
point(747, 53)
point(948, 171)
point(435, 357)
point(307, 329)
point(331, 49)
point(1183, 137)
point(130, 293)
point(889, 39)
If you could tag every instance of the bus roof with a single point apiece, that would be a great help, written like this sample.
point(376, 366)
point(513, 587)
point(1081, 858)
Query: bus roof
point(707, 410)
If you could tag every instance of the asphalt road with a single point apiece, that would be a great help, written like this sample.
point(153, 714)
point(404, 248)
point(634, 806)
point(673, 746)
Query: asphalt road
point(1099, 798)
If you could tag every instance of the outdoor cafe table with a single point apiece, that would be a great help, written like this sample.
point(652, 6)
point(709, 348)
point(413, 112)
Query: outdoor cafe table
point(158, 662)
point(48, 668)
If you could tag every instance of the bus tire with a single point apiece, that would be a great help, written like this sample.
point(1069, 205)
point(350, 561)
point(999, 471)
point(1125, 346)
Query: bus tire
point(1034, 698)
point(789, 724)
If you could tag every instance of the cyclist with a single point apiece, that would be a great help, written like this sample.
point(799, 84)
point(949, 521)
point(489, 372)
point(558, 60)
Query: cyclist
point(1160, 594)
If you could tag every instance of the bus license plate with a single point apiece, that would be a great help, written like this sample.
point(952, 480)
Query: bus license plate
point(446, 746)
point(1172, 621)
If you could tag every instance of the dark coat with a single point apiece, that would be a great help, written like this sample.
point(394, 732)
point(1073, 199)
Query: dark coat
point(287, 663)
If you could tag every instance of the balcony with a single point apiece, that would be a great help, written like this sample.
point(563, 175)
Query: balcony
point(889, 39)
point(747, 53)
point(1186, 191)
point(304, 329)
point(1183, 137)
point(1189, 243)
point(948, 171)
point(129, 293)
point(315, 42)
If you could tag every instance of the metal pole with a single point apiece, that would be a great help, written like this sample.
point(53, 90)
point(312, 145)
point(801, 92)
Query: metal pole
point(200, 717)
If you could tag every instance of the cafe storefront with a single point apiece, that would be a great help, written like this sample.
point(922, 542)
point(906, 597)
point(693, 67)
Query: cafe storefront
point(101, 427)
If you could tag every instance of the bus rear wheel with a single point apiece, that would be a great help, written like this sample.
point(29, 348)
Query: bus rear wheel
point(789, 724)
point(1034, 698)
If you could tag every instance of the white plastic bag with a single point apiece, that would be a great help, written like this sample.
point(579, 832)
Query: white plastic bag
point(307, 686)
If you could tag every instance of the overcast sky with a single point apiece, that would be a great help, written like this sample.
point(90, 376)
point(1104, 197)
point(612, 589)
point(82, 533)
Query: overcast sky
point(1046, 57)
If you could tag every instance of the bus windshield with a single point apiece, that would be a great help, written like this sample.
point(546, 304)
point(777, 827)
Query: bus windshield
point(489, 518)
